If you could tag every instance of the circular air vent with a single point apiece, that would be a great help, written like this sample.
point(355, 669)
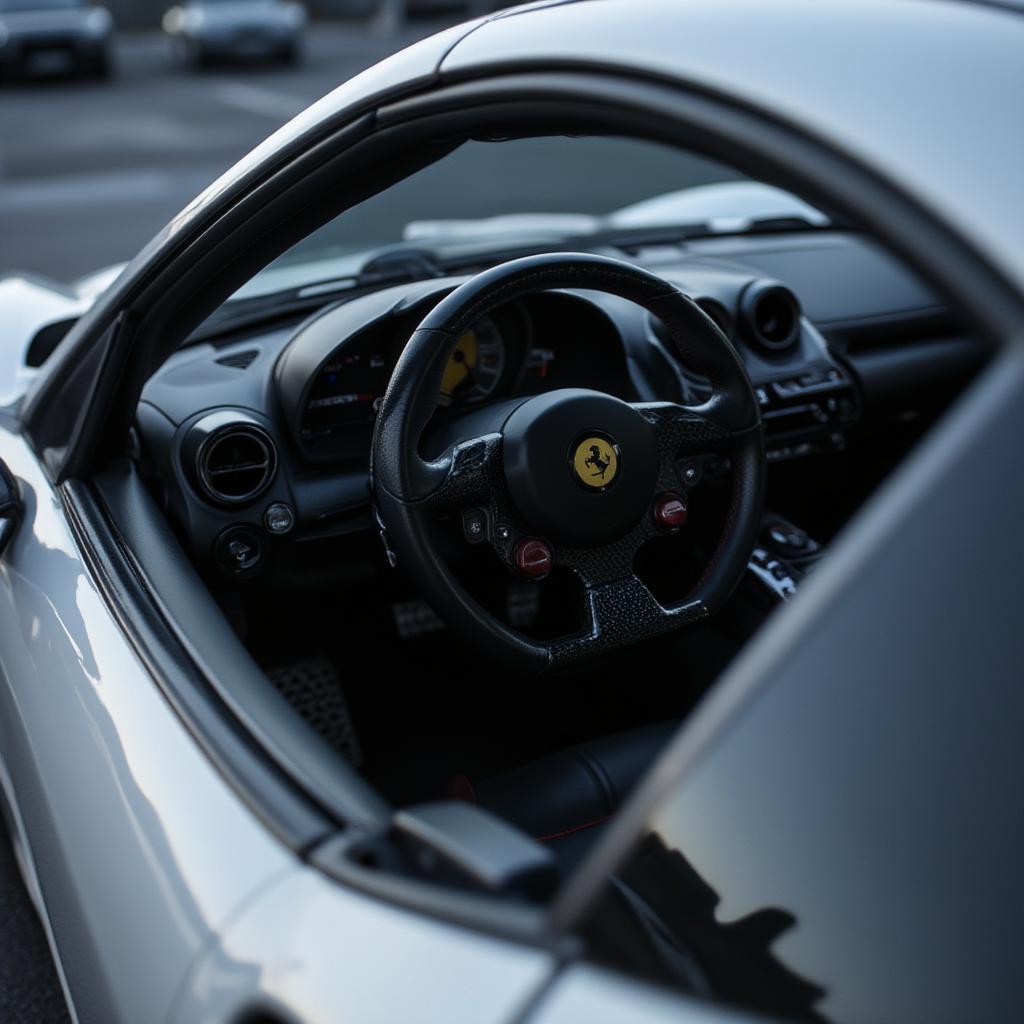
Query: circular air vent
point(771, 316)
point(235, 463)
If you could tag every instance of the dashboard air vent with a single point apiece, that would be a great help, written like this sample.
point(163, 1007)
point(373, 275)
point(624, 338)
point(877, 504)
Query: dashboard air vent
point(771, 317)
point(239, 360)
point(236, 463)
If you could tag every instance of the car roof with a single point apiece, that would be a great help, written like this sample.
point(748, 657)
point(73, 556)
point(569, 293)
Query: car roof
point(926, 92)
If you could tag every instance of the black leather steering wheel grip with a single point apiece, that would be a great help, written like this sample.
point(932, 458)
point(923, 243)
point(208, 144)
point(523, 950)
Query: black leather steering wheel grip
point(579, 468)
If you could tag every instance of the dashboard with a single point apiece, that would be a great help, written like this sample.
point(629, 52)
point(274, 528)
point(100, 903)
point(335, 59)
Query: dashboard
point(334, 371)
point(262, 437)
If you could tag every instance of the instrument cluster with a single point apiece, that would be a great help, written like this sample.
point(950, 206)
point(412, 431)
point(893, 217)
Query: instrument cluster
point(522, 348)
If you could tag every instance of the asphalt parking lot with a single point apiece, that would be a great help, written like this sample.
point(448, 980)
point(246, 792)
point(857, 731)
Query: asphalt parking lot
point(89, 171)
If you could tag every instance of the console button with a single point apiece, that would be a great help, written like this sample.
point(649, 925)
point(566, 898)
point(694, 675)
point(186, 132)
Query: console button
point(238, 550)
point(279, 518)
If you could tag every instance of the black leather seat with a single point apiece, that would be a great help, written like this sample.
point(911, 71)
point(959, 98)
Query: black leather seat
point(566, 798)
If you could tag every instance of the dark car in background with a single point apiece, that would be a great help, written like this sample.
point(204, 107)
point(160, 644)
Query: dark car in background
point(55, 37)
point(207, 31)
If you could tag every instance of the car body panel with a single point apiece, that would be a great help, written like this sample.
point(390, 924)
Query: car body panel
point(29, 304)
point(141, 848)
point(916, 90)
point(286, 951)
point(585, 993)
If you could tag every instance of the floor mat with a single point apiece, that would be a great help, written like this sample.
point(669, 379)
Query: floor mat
point(313, 688)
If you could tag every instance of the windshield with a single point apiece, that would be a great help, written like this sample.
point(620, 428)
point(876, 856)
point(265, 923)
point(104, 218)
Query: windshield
point(543, 176)
point(533, 191)
point(537, 176)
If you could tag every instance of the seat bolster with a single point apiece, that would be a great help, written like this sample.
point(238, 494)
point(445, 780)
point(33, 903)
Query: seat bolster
point(577, 788)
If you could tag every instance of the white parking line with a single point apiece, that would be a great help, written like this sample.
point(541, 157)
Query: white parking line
point(256, 99)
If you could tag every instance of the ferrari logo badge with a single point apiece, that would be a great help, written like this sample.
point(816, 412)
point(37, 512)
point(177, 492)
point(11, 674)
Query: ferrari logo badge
point(595, 462)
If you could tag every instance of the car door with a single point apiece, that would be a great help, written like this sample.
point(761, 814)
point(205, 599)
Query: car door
point(135, 847)
point(836, 833)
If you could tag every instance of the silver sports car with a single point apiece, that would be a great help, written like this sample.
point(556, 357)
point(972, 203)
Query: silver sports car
point(425, 602)
point(55, 37)
point(206, 31)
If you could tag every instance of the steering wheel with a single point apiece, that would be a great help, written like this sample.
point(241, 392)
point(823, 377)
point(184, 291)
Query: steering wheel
point(573, 477)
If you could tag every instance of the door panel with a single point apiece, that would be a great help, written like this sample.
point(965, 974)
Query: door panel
point(836, 833)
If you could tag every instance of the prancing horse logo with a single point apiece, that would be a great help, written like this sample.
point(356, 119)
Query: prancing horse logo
point(594, 459)
point(595, 462)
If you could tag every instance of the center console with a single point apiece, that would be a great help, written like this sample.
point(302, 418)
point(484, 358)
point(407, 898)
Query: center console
point(784, 555)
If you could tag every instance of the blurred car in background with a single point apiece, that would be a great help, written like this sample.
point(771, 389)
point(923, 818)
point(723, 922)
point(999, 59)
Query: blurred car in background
point(55, 37)
point(219, 30)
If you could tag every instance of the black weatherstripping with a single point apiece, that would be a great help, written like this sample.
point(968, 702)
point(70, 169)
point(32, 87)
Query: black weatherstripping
point(285, 773)
point(10, 506)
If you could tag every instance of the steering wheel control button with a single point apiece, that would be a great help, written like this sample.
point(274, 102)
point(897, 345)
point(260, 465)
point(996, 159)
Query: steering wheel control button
point(670, 511)
point(238, 550)
point(595, 461)
point(474, 525)
point(279, 518)
point(533, 558)
point(690, 473)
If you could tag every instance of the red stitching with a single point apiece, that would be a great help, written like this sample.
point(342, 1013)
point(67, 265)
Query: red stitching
point(460, 787)
point(575, 828)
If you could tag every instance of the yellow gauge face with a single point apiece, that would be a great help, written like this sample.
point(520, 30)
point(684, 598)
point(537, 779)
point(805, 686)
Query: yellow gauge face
point(461, 365)
point(476, 365)
point(595, 462)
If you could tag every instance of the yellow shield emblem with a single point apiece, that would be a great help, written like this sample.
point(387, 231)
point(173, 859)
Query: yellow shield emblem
point(595, 462)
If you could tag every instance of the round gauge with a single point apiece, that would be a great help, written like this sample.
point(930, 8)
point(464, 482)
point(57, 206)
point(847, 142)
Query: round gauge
point(475, 367)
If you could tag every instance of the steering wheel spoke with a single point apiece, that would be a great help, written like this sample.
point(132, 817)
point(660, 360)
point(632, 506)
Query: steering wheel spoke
point(682, 430)
point(473, 475)
point(617, 613)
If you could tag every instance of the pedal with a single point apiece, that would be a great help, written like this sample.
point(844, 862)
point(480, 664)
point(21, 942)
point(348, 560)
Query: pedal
point(415, 618)
point(313, 688)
